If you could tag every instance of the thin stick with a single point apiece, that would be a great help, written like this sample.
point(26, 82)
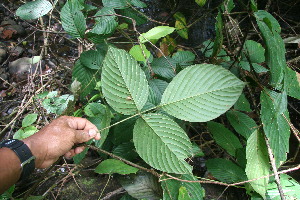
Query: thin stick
point(274, 168)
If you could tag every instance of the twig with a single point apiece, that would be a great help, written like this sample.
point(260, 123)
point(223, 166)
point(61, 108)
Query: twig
point(124, 160)
point(113, 193)
point(274, 168)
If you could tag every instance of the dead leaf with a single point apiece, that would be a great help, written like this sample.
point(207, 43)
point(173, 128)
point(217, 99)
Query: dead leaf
point(8, 33)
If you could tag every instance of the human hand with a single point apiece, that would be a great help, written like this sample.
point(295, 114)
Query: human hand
point(57, 139)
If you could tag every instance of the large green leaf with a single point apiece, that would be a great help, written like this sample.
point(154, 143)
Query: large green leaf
point(257, 162)
point(137, 3)
point(225, 170)
point(140, 52)
point(133, 14)
point(171, 187)
point(86, 76)
point(124, 84)
point(276, 128)
point(292, 83)
point(241, 123)
point(111, 166)
point(156, 33)
point(34, 9)
point(72, 19)
point(201, 93)
point(275, 49)
point(105, 24)
point(162, 143)
point(224, 137)
point(289, 186)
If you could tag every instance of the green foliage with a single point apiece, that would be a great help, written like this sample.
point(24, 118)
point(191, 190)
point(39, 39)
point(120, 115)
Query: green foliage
point(143, 109)
point(225, 170)
point(257, 162)
point(162, 143)
point(274, 117)
point(181, 25)
point(8, 193)
point(224, 137)
point(241, 123)
point(124, 84)
point(199, 95)
point(171, 187)
point(275, 50)
point(111, 166)
point(156, 33)
point(290, 188)
point(27, 128)
point(140, 52)
point(72, 18)
point(34, 9)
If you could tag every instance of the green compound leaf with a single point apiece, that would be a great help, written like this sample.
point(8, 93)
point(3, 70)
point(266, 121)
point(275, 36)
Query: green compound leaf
point(140, 53)
point(111, 166)
point(255, 52)
point(200, 93)
point(162, 143)
point(289, 186)
point(275, 49)
point(276, 128)
point(73, 20)
point(105, 24)
point(225, 170)
point(292, 83)
point(85, 76)
point(91, 59)
point(29, 119)
point(124, 83)
point(156, 33)
point(133, 14)
point(241, 123)
point(257, 162)
point(171, 187)
point(34, 9)
point(224, 137)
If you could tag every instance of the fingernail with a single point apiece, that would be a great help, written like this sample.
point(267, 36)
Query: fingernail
point(92, 132)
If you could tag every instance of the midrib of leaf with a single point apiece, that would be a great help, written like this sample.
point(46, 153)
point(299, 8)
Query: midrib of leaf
point(199, 94)
point(122, 76)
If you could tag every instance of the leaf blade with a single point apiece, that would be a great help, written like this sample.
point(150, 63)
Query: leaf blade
point(201, 93)
point(124, 84)
point(162, 143)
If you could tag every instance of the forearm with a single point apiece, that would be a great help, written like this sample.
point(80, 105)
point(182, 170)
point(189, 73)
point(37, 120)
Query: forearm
point(10, 168)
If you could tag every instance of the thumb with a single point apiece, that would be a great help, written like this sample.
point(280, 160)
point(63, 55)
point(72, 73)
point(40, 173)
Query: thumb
point(83, 136)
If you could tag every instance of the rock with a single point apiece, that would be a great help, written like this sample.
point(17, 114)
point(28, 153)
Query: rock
point(21, 67)
point(16, 51)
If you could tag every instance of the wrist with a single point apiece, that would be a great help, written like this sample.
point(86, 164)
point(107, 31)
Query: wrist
point(35, 150)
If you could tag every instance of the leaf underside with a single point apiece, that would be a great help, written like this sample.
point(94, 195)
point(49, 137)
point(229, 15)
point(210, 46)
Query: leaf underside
point(200, 93)
point(162, 143)
point(124, 84)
